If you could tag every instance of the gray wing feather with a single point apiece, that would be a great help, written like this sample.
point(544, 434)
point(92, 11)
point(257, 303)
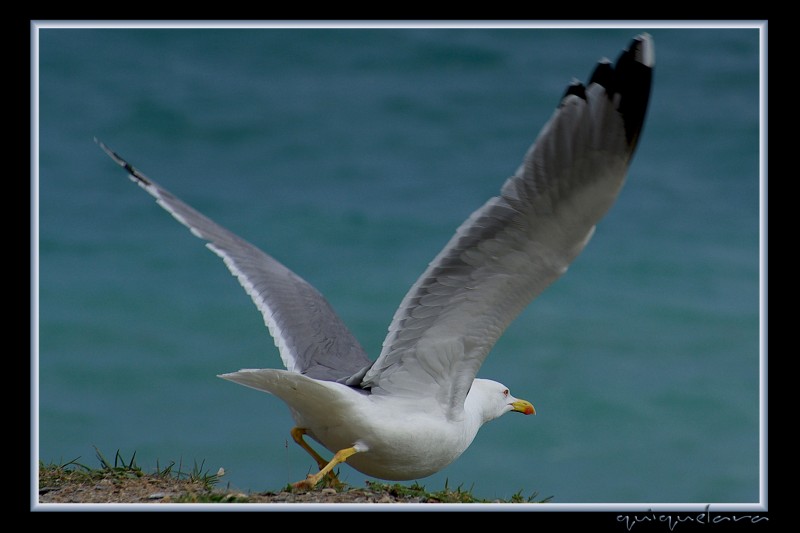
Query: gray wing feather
point(518, 243)
point(310, 337)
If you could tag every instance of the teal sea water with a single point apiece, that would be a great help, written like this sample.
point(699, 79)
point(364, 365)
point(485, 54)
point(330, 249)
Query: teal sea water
point(352, 156)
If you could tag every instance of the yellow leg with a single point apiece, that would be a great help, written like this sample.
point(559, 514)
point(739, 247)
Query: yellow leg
point(332, 481)
point(340, 457)
point(297, 435)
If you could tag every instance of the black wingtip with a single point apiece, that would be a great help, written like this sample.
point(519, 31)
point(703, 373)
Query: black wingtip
point(575, 88)
point(633, 75)
point(134, 174)
point(604, 75)
point(642, 50)
point(630, 78)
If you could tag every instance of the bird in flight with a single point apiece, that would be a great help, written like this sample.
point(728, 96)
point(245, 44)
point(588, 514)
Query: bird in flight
point(419, 405)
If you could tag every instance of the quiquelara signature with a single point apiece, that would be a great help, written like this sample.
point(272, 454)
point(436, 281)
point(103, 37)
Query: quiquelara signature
point(702, 518)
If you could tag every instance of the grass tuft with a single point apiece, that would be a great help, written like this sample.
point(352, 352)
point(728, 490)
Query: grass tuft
point(119, 473)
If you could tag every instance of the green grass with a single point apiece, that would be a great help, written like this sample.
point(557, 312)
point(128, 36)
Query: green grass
point(197, 485)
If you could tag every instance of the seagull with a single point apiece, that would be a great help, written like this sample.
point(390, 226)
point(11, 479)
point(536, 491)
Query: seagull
point(418, 406)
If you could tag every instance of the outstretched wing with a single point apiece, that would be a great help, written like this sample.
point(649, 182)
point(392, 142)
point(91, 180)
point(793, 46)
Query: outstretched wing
point(518, 243)
point(311, 338)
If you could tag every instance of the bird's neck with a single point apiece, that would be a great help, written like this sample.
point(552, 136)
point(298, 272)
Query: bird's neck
point(475, 411)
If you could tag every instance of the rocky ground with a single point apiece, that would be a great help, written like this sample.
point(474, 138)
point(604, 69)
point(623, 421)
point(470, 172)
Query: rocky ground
point(131, 485)
point(150, 490)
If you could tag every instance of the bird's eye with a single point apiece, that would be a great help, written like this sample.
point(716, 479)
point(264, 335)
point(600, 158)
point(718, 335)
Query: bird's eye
point(505, 392)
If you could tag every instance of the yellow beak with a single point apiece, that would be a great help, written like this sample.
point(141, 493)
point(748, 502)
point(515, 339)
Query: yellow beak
point(521, 406)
